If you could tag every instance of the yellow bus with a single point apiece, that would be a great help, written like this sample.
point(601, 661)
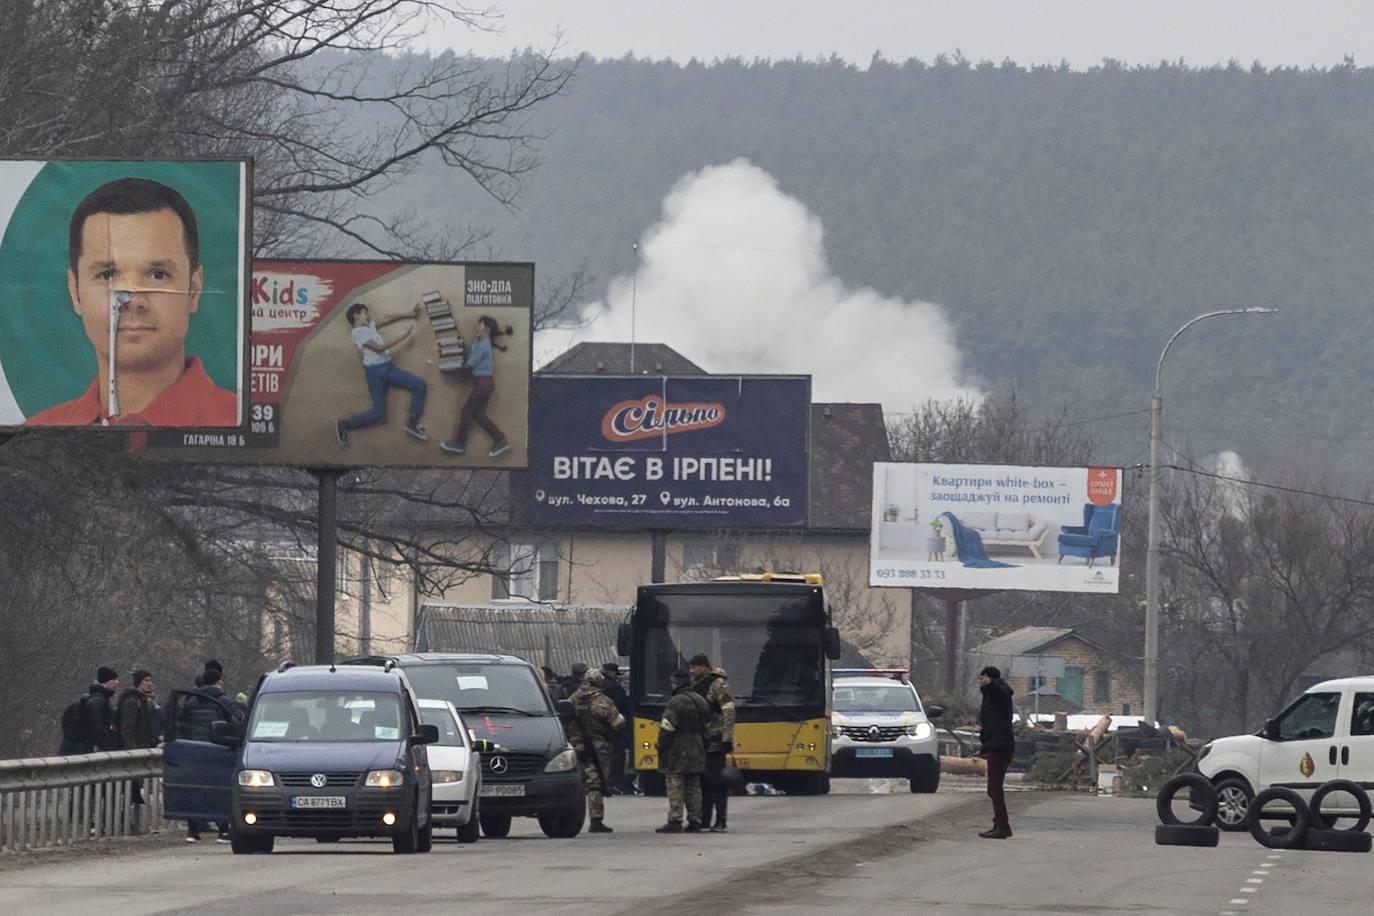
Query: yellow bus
point(772, 634)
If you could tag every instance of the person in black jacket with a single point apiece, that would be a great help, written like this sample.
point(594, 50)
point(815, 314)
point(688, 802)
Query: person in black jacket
point(611, 686)
point(995, 734)
point(198, 715)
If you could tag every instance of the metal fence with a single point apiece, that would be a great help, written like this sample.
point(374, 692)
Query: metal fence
point(61, 801)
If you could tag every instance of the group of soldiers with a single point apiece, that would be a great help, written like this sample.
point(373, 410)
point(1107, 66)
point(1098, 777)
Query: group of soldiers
point(694, 736)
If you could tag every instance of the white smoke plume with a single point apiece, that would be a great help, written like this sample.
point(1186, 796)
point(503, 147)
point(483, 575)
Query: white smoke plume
point(734, 277)
point(1235, 497)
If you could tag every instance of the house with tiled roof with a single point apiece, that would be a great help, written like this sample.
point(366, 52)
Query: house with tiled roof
point(550, 568)
point(1094, 680)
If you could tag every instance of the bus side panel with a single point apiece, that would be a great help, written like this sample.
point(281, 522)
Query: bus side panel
point(772, 747)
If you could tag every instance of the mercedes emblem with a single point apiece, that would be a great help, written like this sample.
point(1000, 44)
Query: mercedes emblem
point(319, 780)
point(499, 765)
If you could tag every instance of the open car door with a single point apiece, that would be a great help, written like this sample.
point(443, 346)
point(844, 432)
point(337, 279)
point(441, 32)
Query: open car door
point(196, 773)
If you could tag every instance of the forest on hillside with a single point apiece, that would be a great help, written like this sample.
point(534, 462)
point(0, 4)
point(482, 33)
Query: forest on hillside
point(1068, 222)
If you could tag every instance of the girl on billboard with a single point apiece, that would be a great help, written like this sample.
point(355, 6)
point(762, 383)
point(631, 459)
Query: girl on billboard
point(483, 387)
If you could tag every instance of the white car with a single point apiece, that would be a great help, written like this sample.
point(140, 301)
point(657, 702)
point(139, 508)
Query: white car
point(456, 770)
point(881, 728)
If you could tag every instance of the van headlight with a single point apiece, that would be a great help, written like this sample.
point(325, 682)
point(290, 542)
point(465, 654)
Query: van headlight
point(384, 779)
point(561, 762)
point(447, 775)
point(256, 779)
point(919, 730)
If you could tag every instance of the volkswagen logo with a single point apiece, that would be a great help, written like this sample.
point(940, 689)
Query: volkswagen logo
point(319, 780)
point(499, 765)
point(873, 733)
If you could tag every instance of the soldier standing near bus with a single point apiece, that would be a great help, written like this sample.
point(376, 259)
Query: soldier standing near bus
point(711, 685)
point(594, 737)
point(682, 753)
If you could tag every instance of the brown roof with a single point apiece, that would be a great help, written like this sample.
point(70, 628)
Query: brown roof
point(845, 441)
point(614, 359)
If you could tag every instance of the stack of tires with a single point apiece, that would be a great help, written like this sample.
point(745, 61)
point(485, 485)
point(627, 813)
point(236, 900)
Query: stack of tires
point(1309, 827)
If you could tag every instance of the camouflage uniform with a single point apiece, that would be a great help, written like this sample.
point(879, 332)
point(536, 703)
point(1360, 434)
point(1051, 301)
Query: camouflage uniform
point(597, 719)
point(720, 739)
point(682, 753)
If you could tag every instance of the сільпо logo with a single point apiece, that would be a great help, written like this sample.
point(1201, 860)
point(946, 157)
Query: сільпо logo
point(652, 416)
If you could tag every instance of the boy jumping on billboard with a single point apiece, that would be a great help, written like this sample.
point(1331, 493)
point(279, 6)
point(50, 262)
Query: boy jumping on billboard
point(381, 374)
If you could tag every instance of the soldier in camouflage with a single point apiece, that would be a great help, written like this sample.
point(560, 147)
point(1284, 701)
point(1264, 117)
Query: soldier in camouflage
point(682, 753)
point(711, 685)
point(593, 736)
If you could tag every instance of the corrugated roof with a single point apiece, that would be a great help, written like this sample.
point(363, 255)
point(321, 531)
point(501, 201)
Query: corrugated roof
point(541, 634)
point(845, 441)
point(596, 358)
point(1025, 641)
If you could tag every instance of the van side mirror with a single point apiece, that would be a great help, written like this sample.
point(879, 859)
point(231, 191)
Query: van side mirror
point(623, 638)
point(225, 734)
point(832, 643)
point(425, 734)
point(1270, 730)
point(934, 712)
point(565, 709)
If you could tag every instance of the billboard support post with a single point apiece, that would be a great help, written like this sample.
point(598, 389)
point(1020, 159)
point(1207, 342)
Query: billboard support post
point(326, 563)
point(952, 608)
point(658, 555)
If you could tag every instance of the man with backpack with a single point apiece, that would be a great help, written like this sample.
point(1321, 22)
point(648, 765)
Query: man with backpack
point(88, 724)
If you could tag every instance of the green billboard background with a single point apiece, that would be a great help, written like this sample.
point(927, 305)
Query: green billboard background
point(43, 348)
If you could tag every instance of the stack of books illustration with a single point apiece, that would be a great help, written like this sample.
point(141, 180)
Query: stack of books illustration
point(452, 352)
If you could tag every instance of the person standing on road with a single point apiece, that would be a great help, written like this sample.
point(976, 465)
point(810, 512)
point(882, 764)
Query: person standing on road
point(94, 731)
point(594, 736)
point(137, 720)
point(711, 684)
point(621, 782)
point(998, 741)
point(574, 680)
point(682, 753)
point(200, 714)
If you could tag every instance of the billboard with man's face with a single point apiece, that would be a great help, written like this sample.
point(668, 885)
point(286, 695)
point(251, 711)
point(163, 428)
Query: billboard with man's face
point(985, 526)
point(123, 293)
point(380, 363)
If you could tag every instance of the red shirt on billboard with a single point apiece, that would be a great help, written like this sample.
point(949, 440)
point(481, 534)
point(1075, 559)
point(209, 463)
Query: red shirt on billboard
point(192, 400)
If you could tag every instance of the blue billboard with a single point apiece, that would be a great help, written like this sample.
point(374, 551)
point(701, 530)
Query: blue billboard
point(655, 452)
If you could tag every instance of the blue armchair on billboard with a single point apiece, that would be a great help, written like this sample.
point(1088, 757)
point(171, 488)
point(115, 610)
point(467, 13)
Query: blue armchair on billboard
point(1095, 538)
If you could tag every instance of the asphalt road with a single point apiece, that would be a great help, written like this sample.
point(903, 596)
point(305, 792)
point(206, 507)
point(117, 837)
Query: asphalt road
point(849, 851)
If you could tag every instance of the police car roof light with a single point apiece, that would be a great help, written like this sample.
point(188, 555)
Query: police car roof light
point(897, 674)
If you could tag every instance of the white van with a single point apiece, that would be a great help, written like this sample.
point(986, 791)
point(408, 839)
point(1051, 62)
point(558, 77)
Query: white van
point(1327, 733)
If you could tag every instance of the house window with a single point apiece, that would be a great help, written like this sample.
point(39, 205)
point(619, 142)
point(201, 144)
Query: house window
point(709, 558)
point(1102, 685)
point(1035, 682)
point(525, 571)
point(1070, 686)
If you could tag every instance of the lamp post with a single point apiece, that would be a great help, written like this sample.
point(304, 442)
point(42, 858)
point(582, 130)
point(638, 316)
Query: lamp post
point(1151, 698)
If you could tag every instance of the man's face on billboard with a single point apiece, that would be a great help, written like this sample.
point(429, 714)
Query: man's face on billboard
point(145, 255)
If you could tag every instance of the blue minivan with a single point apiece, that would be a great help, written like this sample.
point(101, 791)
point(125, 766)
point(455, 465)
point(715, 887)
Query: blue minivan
point(320, 751)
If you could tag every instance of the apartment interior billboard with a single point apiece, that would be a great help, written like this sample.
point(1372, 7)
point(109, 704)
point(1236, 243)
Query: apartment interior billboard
point(977, 526)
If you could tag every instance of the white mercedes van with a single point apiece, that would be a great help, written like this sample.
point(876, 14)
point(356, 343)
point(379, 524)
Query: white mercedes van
point(1325, 734)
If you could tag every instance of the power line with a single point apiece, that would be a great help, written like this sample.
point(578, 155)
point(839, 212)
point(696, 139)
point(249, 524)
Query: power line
point(1270, 486)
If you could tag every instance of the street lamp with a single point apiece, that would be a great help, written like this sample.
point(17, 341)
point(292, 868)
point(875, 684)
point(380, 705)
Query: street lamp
point(1151, 699)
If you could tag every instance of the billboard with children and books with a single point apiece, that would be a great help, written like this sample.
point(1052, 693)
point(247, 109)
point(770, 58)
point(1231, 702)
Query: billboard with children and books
point(983, 526)
point(380, 363)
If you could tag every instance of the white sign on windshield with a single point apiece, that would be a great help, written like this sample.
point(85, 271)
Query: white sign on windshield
point(472, 682)
point(267, 729)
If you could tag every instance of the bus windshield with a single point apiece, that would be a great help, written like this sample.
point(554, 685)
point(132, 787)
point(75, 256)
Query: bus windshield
point(770, 645)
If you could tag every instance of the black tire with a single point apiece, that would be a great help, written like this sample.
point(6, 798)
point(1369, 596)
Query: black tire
point(1291, 838)
point(265, 843)
point(241, 843)
point(409, 841)
point(563, 826)
point(1321, 822)
point(494, 825)
point(425, 838)
point(1196, 784)
point(1337, 840)
point(1186, 835)
point(469, 832)
point(1234, 796)
point(925, 777)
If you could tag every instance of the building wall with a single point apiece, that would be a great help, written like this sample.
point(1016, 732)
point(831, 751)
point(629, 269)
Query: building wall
point(1125, 690)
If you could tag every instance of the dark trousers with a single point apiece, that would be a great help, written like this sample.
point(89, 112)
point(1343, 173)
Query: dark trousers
point(380, 377)
point(997, 775)
point(714, 791)
point(475, 411)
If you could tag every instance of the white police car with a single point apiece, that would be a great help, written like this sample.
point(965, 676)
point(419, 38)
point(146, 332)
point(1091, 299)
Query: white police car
point(881, 729)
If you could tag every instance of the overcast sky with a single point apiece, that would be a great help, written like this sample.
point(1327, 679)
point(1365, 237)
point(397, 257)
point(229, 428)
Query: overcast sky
point(1082, 32)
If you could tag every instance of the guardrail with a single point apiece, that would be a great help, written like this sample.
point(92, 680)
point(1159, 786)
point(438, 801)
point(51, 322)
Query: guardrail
point(62, 801)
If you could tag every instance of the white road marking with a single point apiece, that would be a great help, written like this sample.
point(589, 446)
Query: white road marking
point(1254, 880)
point(1249, 890)
point(1237, 901)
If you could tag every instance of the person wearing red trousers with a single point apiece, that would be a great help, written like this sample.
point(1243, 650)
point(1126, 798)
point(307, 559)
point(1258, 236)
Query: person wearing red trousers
point(995, 734)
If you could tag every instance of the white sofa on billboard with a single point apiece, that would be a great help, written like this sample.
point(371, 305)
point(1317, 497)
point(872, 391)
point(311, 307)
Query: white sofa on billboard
point(1007, 529)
